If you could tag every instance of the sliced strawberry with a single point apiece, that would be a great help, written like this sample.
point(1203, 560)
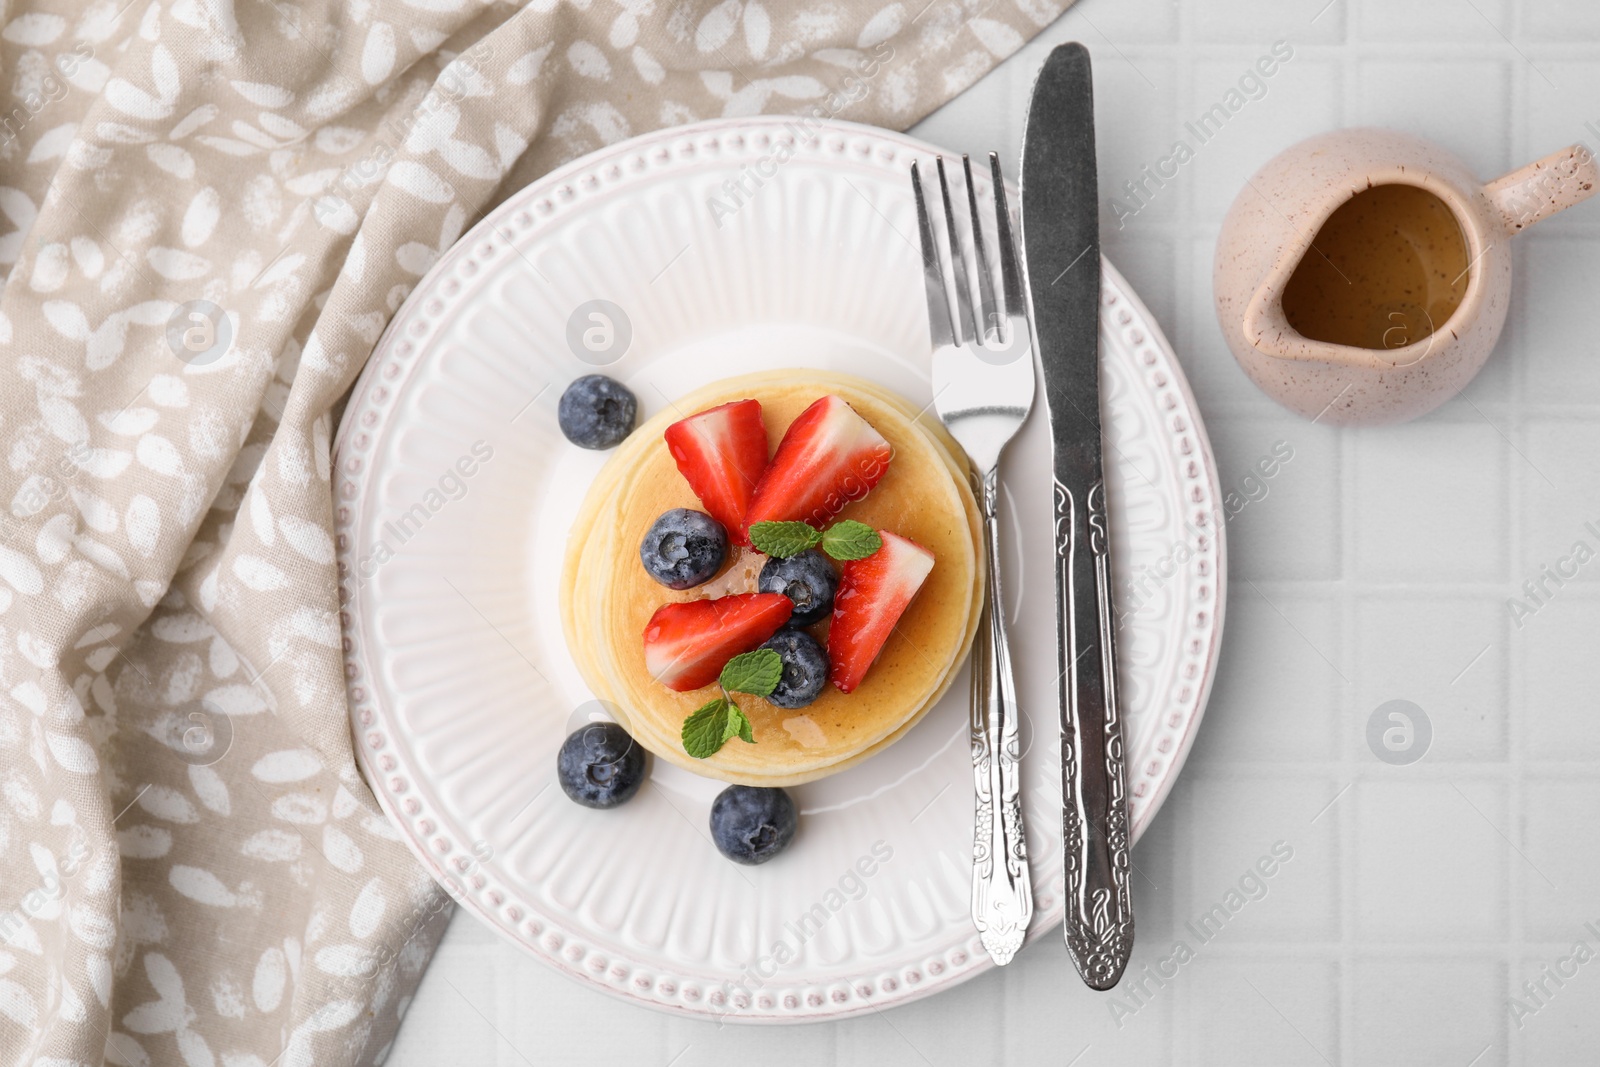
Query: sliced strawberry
point(722, 452)
point(873, 594)
point(687, 645)
point(828, 457)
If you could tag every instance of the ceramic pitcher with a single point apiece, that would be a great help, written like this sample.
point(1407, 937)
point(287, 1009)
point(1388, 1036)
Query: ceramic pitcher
point(1271, 226)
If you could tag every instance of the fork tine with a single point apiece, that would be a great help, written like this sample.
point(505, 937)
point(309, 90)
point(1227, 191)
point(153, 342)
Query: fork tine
point(990, 321)
point(939, 322)
point(1010, 269)
point(964, 324)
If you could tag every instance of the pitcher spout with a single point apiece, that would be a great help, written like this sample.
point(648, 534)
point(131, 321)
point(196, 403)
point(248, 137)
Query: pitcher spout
point(1268, 331)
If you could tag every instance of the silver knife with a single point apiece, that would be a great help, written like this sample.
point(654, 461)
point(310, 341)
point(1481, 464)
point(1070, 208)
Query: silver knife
point(1061, 249)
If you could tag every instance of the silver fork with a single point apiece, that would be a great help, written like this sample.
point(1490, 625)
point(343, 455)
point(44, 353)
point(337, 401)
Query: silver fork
point(983, 389)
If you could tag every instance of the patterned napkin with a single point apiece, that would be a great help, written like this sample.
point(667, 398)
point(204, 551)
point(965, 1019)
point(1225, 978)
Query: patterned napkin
point(211, 210)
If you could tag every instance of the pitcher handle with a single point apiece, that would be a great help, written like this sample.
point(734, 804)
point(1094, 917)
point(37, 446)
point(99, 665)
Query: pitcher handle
point(1544, 187)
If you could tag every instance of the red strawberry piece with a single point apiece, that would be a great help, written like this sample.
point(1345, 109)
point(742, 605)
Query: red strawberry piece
point(721, 452)
point(687, 645)
point(873, 594)
point(828, 457)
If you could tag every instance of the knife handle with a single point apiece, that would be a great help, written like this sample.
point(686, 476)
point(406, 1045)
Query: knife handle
point(1002, 888)
point(1095, 831)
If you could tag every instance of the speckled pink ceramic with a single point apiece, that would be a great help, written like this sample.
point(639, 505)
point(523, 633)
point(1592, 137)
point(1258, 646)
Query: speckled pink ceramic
point(1271, 226)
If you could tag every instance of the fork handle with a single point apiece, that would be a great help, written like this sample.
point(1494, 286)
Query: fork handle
point(1002, 889)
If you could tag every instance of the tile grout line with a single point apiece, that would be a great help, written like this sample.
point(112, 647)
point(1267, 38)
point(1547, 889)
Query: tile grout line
point(1390, 950)
point(1348, 810)
point(1519, 490)
point(1346, 704)
point(1448, 50)
point(1387, 590)
point(1258, 406)
point(1576, 772)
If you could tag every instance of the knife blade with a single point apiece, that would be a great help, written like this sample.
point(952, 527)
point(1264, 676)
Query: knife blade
point(1061, 249)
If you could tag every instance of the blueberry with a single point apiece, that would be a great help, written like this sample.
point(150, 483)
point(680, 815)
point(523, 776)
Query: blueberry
point(808, 579)
point(683, 548)
point(805, 668)
point(600, 766)
point(597, 412)
point(752, 825)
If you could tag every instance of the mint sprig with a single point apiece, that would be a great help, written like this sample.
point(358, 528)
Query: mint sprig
point(757, 672)
point(850, 539)
point(843, 541)
point(784, 539)
point(714, 724)
point(710, 727)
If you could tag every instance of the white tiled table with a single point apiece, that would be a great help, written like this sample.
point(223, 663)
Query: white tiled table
point(1419, 898)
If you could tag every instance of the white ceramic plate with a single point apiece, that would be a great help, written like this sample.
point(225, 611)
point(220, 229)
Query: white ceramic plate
point(456, 491)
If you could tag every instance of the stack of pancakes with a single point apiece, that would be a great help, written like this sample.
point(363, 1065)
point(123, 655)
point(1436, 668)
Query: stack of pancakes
point(607, 598)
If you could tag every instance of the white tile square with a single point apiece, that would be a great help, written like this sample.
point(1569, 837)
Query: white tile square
point(1129, 88)
point(1282, 1012)
point(1430, 502)
point(1264, 21)
point(1555, 1022)
point(1560, 21)
point(691, 1043)
point(1559, 512)
point(1385, 22)
point(962, 1025)
point(1274, 698)
point(1561, 679)
point(1121, 24)
point(1260, 870)
point(472, 1007)
point(1304, 96)
point(1441, 1010)
point(1445, 654)
point(1280, 482)
point(1128, 92)
point(1560, 843)
point(1156, 885)
point(1462, 105)
point(442, 1031)
point(1051, 1017)
point(1430, 859)
point(1557, 347)
point(1146, 261)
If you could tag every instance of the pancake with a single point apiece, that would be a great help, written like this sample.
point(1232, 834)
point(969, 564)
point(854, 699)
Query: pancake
point(607, 598)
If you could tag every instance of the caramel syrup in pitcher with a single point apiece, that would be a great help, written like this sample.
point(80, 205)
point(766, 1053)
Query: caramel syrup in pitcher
point(1387, 269)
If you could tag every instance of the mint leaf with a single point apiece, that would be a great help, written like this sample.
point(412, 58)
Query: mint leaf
point(739, 724)
point(850, 539)
point(706, 728)
point(710, 727)
point(784, 539)
point(755, 672)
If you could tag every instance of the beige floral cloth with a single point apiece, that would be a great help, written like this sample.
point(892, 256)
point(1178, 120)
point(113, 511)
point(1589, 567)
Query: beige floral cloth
point(211, 209)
